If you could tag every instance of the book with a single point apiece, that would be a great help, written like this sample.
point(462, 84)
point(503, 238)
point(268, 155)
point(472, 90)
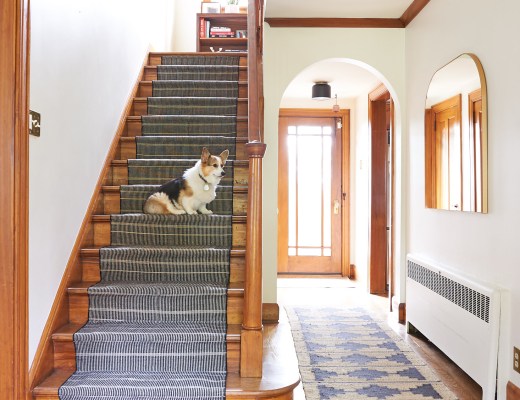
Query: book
point(222, 35)
point(202, 28)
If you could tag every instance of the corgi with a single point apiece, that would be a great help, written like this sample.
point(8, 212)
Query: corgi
point(193, 191)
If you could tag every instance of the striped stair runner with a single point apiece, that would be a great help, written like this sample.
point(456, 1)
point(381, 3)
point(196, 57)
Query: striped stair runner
point(157, 319)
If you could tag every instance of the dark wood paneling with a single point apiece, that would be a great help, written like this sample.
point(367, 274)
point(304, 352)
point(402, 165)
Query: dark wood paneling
point(14, 198)
point(334, 22)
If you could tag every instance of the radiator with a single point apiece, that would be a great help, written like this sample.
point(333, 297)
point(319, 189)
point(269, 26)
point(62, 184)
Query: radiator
point(459, 315)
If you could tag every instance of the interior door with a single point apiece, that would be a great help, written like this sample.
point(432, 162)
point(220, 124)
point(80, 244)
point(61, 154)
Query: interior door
point(448, 157)
point(309, 186)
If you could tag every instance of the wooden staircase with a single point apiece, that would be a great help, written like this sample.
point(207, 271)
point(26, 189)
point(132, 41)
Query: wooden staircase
point(255, 367)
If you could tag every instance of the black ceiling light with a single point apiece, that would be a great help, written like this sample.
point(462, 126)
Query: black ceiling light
point(321, 91)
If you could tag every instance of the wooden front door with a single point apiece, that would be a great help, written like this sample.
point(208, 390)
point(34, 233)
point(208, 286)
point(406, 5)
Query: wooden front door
point(309, 195)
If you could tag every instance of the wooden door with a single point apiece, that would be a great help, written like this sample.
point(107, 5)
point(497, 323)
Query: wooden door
point(379, 244)
point(310, 196)
point(447, 154)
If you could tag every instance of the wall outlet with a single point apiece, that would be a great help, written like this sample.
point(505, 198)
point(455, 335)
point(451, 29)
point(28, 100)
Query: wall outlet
point(516, 359)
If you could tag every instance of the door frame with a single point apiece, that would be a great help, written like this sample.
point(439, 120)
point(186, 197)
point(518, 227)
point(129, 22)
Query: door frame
point(377, 279)
point(344, 115)
point(14, 178)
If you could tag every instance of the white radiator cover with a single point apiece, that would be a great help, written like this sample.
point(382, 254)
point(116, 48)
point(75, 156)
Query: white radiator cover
point(459, 315)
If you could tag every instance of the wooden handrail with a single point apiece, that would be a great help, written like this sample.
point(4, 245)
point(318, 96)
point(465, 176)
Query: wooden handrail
point(251, 347)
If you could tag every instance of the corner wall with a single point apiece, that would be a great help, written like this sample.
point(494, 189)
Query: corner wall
point(85, 58)
point(479, 245)
point(287, 51)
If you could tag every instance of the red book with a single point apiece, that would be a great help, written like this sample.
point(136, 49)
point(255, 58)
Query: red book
point(202, 28)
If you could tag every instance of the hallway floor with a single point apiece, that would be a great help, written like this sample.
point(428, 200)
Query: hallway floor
point(326, 291)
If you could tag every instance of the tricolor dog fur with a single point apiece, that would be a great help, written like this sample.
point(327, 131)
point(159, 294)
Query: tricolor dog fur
point(193, 191)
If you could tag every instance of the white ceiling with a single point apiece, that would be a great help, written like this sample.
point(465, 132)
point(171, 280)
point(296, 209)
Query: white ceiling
point(336, 8)
point(347, 80)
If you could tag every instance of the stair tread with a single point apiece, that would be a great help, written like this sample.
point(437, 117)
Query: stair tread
point(242, 82)
point(236, 163)
point(117, 188)
point(137, 118)
point(93, 252)
point(106, 218)
point(66, 333)
point(235, 289)
point(145, 99)
point(280, 369)
point(131, 139)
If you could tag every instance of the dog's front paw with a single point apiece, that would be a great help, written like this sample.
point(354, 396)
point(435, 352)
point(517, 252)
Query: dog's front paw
point(191, 212)
point(206, 211)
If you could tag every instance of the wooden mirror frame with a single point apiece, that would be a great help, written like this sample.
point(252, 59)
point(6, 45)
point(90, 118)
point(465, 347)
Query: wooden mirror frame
point(431, 152)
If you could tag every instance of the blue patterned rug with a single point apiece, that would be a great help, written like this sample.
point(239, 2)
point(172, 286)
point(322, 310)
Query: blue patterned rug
point(348, 354)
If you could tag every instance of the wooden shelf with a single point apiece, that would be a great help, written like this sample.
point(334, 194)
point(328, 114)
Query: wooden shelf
point(237, 22)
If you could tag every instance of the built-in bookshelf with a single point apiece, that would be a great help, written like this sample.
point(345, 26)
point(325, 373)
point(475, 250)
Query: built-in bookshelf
point(222, 32)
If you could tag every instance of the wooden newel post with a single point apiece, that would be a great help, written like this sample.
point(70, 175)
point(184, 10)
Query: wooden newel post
point(251, 337)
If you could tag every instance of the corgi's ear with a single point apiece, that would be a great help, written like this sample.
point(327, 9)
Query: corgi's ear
point(205, 155)
point(224, 156)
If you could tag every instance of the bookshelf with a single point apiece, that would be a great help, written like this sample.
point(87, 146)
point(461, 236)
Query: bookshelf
point(236, 23)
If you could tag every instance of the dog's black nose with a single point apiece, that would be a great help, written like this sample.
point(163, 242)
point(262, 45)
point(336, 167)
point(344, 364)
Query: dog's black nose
point(223, 173)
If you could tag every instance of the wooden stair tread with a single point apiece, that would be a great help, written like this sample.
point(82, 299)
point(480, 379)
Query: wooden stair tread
point(81, 288)
point(236, 163)
point(131, 139)
point(93, 252)
point(137, 118)
point(116, 189)
point(237, 219)
point(149, 83)
point(66, 333)
point(145, 99)
point(280, 369)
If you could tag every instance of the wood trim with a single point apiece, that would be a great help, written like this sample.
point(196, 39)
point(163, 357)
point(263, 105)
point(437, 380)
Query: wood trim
point(412, 11)
point(43, 361)
point(270, 313)
point(335, 22)
point(402, 313)
point(429, 147)
point(379, 93)
point(513, 391)
point(14, 178)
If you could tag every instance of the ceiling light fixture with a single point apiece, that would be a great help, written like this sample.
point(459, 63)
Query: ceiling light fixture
point(321, 91)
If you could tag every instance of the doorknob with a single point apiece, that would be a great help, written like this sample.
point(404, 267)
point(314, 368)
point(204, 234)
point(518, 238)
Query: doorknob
point(336, 207)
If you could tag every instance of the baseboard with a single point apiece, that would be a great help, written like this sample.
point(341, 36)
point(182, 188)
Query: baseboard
point(270, 313)
point(352, 274)
point(513, 391)
point(402, 313)
point(42, 364)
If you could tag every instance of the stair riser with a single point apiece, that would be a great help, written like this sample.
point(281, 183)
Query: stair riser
point(128, 150)
point(101, 231)
point(79, 304)
point(145, 89)
point(90, 268)
point(65, 355)
point(155, 59)
point(112, 203)
point(119, 175)
point(150, 74)
point(140, 107)
point(133, 128)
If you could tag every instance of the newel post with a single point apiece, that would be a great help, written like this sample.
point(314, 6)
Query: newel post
point(251, 337)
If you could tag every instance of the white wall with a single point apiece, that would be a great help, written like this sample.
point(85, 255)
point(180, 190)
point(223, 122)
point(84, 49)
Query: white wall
point(85, 58)
point(286, 53)
point(481, 245)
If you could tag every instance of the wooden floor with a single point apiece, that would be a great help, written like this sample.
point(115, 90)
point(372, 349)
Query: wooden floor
point(342, 292)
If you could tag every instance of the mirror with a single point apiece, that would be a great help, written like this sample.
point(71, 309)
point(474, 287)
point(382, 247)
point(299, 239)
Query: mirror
point(456, 137)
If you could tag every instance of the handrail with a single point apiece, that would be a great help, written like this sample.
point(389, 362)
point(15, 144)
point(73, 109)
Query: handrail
point(251, 345)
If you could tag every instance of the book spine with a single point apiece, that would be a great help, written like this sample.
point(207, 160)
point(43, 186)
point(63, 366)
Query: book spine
point(202, 28)
point(208, 27)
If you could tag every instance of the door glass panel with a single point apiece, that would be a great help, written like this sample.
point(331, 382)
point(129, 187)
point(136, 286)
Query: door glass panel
point(309, 190)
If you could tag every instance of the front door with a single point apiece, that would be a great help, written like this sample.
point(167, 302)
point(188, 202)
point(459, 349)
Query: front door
point(309, 195)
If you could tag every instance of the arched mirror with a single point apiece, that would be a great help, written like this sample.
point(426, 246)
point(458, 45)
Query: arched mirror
point(456, 137)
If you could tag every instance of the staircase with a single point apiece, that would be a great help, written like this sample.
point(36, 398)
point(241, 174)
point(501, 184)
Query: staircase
point(139, 268)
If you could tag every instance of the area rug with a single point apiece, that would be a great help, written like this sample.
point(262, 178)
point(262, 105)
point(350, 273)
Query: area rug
point(345, 353)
